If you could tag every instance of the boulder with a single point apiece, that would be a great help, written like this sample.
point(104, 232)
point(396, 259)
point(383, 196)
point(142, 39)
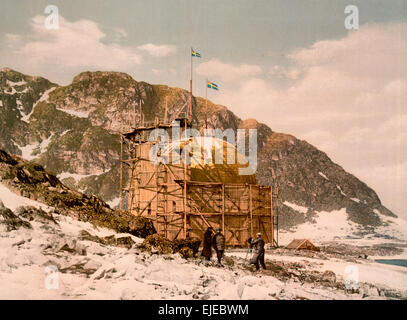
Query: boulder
point(328, 276)
point(191, 243)
point(71, 246)
point(31, 213)
point(159, 243)
point(141, 227)
point(6, 158)
point(186, 252)
point(12, 221)
point(123, 241)
point(187, 248)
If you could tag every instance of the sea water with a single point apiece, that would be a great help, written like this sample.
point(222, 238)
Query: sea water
point(395, 262)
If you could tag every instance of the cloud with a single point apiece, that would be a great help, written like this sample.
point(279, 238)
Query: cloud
point(159, 72)
point(216, 69)
point(350, 100)
point(158, 50)
point(283, 72)
point(120, 33)
point(60, 54)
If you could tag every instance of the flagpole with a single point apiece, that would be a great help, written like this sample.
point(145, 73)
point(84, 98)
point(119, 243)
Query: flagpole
point(190, 89)
point(206, 94)
point(206, 103)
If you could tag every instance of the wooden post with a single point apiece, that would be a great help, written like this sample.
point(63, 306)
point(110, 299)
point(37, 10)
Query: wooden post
point(185, 193)
point(166, 109)
point(190, 91)
point(141, 113)
point(251, 210)
point(185, 207)
point(134, 115)
point(206, 103)
point(121, 172)
point(223, 209)
point(166, 203)
point(271, 216)
point(206, 94)
point(277, 215)
point(128, 115)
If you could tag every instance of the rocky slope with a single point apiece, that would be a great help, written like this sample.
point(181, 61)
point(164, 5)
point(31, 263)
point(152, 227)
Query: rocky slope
point(73, 131)
point(30, 180)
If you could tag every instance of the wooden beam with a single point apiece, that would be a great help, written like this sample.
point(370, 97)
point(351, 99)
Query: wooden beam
point(185, 201)
point(251, 210)
point(271, 216)
point(121, 173)
point(150, 201)
point(223, 208)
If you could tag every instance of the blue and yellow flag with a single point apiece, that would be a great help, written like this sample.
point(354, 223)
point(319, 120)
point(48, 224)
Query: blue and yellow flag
point(212, 85)
point(195, 53)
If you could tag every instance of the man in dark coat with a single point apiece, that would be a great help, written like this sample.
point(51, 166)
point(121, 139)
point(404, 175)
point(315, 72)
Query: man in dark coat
point(218, 243)
point(207, 244)
point(259, 252)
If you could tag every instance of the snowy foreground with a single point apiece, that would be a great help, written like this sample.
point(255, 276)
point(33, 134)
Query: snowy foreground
point(90, 270)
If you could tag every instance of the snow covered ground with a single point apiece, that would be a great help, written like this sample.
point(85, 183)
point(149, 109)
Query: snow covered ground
point(369, 271)
point(27, 257)
point(13, 201)
point(335, 226)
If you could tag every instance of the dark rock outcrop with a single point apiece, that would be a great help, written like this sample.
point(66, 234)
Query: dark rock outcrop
point(125, 242)
point(33, 214)
point(10, 221)
point(187, 248)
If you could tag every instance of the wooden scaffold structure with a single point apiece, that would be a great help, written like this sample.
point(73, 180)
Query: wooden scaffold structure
point(179, 204)
point(182, 199)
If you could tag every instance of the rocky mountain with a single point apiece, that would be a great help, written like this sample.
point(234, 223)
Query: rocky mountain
point(73, 131)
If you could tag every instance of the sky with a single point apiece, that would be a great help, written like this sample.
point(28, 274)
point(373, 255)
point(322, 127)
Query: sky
point(291, 64)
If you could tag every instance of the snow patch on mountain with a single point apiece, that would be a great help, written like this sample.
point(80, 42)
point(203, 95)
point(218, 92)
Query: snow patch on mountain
point(393, 228)
point(326, 226)
point(19, 83)
point(335, 226)
point(341, 191)
point(28, 150)
point(13, 91)
point(79, 114)
point(296, 207)
point(44, 97)
point(78, 177)
point(114, 203)
point(323, 175)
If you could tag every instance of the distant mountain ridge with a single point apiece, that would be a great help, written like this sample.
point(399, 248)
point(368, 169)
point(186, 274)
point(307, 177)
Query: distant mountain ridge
point(73, 131)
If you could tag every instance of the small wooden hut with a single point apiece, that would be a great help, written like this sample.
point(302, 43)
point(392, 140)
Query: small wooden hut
point(302, 244)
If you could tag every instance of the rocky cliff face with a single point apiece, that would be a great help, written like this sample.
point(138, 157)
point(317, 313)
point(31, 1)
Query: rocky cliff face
point(73, 131)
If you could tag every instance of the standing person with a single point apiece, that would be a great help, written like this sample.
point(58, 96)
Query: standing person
point(218, 243)
point(207, 244)
point(259, 252)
